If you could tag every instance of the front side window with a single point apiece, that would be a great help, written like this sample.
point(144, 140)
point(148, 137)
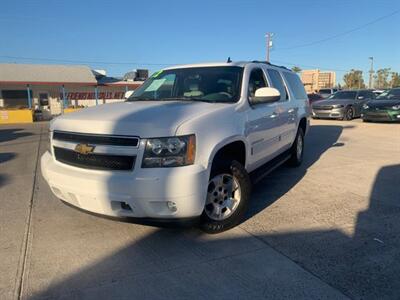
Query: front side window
point(208, 84)
point(256, 81)
point(393, 94)
point(277, 82)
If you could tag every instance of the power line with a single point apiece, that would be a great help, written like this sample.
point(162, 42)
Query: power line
point(341, 34)
point(83, 61)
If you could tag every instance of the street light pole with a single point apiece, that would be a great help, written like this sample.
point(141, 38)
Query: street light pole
point(371, 72)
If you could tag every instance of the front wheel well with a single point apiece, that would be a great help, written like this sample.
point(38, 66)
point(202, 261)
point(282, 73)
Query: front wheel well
point(232, 151)
point(303, 124)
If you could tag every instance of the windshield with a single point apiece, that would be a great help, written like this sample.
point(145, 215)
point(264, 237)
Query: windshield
point(390, 95)
point(209, 84)
point(344, 95)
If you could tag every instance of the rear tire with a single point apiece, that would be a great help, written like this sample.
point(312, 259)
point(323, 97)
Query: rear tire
point(228, 195)
point(297, 150)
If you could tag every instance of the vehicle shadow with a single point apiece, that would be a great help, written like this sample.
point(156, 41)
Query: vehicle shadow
point(319, 139)
point(9, 134)
point(183, 264)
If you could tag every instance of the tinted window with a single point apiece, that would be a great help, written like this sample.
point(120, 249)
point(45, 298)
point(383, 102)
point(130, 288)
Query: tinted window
point(16, 98)
point(366, 94)
point(393, 94)
point(256, 81)
point(277, 83)
point(325, 91)
point(296, 85)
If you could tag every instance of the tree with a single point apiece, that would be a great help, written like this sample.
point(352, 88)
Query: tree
point(296, 69)
point(395, 81)
point(382, 78)
point(354, 79)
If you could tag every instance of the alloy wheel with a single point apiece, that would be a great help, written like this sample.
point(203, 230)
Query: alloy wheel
point(223, 197)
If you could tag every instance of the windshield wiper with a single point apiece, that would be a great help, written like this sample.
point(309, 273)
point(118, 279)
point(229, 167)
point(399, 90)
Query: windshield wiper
point(139, 99)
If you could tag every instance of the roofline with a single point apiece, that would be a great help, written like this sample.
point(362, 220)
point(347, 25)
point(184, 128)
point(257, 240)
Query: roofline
point(221, 64)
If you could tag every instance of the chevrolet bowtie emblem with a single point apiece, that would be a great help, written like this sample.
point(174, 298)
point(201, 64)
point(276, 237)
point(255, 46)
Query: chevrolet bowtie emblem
point(84, 149)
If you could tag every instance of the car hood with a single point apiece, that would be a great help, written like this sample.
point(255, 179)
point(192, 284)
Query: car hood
point(383, 103)
point(333, 102)
point(140, 118)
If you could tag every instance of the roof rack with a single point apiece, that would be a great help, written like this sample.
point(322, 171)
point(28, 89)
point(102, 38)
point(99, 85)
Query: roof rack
point(268, 63)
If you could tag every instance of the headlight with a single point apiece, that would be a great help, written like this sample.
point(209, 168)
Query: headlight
point(337, 106)
point(169, 152)
point(365, 106)
point(396, 107)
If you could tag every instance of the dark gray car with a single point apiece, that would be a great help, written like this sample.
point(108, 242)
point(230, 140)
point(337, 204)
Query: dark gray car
point(343, 105)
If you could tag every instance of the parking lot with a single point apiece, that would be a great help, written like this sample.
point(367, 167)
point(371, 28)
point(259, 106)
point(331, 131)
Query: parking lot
point(328, 230)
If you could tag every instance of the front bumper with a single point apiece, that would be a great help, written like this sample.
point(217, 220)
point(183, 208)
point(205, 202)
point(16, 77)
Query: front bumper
point(381, 115)
point(334, 113)
point(159, 193)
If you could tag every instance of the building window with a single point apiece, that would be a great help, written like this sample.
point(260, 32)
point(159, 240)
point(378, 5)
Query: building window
point(15, 98)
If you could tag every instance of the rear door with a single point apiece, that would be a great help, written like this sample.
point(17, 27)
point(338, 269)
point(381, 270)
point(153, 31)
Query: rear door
point(286, 121)
point(261, 126)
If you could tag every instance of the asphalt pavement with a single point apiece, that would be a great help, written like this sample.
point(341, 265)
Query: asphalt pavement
point(327, 230)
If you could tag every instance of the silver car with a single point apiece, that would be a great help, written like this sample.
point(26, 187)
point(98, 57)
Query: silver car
point(343, 105)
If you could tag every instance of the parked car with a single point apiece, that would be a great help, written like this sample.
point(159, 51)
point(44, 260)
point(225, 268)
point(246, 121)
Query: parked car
point(385, 107)
point(325, 93)
point(183, 146)
point(313, 97)
point(343, 105)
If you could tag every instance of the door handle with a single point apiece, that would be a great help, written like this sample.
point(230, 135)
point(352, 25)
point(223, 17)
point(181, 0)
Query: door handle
point(272, 116)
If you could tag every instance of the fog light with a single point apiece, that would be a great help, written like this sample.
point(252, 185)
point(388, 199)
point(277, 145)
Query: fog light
point(171, 206)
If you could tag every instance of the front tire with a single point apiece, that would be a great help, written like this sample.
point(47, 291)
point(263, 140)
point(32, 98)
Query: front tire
point(349, 114)
point(228, 196)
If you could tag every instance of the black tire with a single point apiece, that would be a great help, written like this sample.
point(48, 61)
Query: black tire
point(349, 113)
point(235, 169)
point(296, 159)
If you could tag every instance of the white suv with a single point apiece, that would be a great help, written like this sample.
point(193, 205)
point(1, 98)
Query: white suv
point(183, 146)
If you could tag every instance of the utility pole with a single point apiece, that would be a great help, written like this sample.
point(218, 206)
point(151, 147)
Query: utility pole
point(371, 72)
point(269, 36)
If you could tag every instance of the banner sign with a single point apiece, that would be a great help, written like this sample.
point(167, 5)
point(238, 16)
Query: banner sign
point(92, 95)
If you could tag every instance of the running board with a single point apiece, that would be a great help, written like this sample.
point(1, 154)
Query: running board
point(260, 173)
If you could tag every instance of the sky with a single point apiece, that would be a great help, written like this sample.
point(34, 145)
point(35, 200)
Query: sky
point(119, 36)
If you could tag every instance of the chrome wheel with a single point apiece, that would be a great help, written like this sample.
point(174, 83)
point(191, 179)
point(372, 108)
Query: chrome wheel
point(349, 113)
point(223, 197)
point(299, 148)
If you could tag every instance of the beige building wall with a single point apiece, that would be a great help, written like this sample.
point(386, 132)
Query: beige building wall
point(314, 80)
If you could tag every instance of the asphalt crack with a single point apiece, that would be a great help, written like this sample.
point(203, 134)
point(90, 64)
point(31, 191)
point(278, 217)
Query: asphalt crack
point(28, 222)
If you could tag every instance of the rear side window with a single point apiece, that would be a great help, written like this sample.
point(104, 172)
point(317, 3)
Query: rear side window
point(277, 82)
point(296, 85)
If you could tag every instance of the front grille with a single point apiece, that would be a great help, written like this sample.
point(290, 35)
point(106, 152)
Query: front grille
point(381, 116)
point(95, 139)
point(322, 107)
point(94, 161)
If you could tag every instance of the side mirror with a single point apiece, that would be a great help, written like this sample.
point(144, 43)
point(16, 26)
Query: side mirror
point(266, 95)
point(128, 94)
